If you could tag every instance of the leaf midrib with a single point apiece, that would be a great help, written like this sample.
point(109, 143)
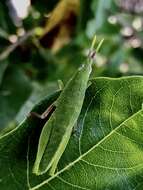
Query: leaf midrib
point(80, 157)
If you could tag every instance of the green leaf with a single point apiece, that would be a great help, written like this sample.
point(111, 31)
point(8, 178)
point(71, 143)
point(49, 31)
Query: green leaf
point(3, 67)
point(14, 91)
point(105, 151)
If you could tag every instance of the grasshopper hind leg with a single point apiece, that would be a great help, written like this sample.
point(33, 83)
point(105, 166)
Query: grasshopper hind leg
point(46, 114)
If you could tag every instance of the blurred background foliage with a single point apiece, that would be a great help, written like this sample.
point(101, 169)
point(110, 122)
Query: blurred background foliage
point(44, 41)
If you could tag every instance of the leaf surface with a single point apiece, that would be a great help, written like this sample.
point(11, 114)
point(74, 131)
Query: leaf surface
point(104, 152)
point(14, 91)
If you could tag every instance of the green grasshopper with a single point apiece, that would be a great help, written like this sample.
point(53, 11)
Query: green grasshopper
point(57, 130)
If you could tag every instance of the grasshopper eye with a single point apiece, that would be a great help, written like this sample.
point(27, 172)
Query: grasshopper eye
point(92, 54)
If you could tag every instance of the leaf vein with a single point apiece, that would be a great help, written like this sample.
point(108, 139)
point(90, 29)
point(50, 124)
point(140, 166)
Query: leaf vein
point(112, 168)
point(70, 184)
